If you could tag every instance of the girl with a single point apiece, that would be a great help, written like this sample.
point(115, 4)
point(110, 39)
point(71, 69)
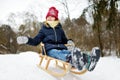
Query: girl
point(54, 38)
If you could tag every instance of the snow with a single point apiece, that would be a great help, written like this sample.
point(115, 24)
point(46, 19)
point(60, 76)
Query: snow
point(23, 67)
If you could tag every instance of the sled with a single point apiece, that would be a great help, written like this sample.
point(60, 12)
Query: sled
point(64, 67)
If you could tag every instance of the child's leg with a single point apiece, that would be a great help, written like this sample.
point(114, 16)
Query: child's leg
point(59, 54)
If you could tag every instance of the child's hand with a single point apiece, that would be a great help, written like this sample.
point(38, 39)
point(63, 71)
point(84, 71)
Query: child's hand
point(22, 40)
point(71, 45)
point(70, 42)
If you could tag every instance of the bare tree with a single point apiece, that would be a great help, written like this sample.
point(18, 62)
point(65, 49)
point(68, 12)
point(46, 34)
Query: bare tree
point(65, 4)
point(104, 16)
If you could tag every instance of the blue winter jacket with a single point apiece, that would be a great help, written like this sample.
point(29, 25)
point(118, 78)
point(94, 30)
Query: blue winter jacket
point(53, 38)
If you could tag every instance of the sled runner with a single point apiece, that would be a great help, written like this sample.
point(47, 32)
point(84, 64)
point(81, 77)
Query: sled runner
point(64, 67)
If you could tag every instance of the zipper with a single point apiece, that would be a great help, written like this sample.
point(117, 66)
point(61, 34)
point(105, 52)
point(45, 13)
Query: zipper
point(55, 35)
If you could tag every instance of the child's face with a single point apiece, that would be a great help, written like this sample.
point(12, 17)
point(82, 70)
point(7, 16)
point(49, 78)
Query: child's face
point(50, 18)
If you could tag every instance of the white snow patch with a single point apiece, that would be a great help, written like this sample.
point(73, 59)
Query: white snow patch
point(23, 67)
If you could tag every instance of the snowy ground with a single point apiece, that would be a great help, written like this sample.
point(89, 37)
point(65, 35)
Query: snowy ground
point(23, 67)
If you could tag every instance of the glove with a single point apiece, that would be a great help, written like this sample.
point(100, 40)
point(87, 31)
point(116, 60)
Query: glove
point(71, 45)
point(22, 40)
point(70, 42)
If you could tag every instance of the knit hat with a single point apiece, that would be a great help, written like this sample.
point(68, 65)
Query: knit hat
point(52, 12)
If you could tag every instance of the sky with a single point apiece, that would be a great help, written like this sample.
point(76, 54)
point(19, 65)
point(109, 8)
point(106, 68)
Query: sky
point(23, 66)
point(39, 7)
point(8, 6)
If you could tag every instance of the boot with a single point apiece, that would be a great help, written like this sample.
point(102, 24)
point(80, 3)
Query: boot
point(77, 59)
point(93, 58)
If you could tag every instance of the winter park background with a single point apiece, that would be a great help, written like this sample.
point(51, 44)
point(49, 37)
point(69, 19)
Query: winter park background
point(88, 22)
